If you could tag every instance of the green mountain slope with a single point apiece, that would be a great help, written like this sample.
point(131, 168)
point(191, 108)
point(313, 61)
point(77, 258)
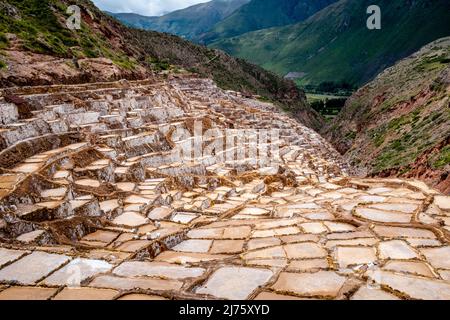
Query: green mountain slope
point(399, 124)
point(335, 44)
point(36, 48)
point(262, 14)
point(188, 23)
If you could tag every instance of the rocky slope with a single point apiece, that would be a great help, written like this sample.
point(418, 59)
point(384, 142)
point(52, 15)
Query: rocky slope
point(37, 48)
point(399, 124)
point(189, 23)
point(335, 44)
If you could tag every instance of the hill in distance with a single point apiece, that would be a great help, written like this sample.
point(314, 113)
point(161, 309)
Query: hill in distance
point(335, 44)
point(189, 23)
point(262, 14)
point(399, 124)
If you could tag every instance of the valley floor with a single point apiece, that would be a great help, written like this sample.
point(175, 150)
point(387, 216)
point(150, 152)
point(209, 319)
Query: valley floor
point(101, 199)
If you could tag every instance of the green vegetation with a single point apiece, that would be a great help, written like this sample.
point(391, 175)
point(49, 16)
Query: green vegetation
point(442, 159)
point(332, 88)
point(38, 27)
point(38, 24)
point(159, 65)
point(2, 65)
point(336, 44)
point(262, 14)
point(3, 41)
point(407, 138)
point(327, 105)
point(189, 23)
point(401, 117)
point(432, 63)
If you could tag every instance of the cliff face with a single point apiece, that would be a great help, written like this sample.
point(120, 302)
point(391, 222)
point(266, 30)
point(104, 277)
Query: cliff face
point(399, 124)
point(36, 48)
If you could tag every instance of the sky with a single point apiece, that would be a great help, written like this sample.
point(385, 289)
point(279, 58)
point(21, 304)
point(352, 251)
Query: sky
point(145, 7)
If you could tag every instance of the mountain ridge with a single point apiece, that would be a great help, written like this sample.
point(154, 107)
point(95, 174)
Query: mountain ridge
point(189, 23)
point(335, 44)
point(262, 14)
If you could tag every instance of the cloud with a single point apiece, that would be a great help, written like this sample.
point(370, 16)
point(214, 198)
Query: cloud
point(145, 7)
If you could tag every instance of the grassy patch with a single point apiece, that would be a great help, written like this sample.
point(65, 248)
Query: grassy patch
point(3, 65)
point(159, 65)
point(3, 41)
point(442, 159)
point(125, 63)
point(433, 63)
point(41, 29)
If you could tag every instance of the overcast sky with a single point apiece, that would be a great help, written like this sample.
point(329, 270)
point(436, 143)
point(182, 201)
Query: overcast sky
point(145, 7)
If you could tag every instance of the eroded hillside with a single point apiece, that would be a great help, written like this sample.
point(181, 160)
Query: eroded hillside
point(37, 48)
point(399, 124)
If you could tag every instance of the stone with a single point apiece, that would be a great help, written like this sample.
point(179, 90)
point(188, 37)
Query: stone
point(313, 227)
point(382, 216)
point(109, 205)
point(156, 269)
point(306, 250)
point(77, 271)
point(338, 227)
point(30, 237)
point(237, 233)
point(206, 233)
point(272, 263)
point(443, 202)
point(400, 207)
point(349, 256)
point(227, 246)
point(101, 236)
point(7, 255)
point(412, 286)
point(254, 211)
point(184, 218)
point(130, 219)
point(234, 283)
point(365, 293)
point(273, 252)
point(118, 283)
point(161, 213)
point(396, 249)
point(188, 257)
point(414, 267)
point(262, 243)
point(352, 242)
point(438, 257)
point(27, 293)
point(319, 284)
point(307, 265)
point(85, 294)
point(372, 199)
point(32, 268)
point(300, 238)
point(133, 246)
point(193, 245)
point(396, 232)
point(423, 242)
